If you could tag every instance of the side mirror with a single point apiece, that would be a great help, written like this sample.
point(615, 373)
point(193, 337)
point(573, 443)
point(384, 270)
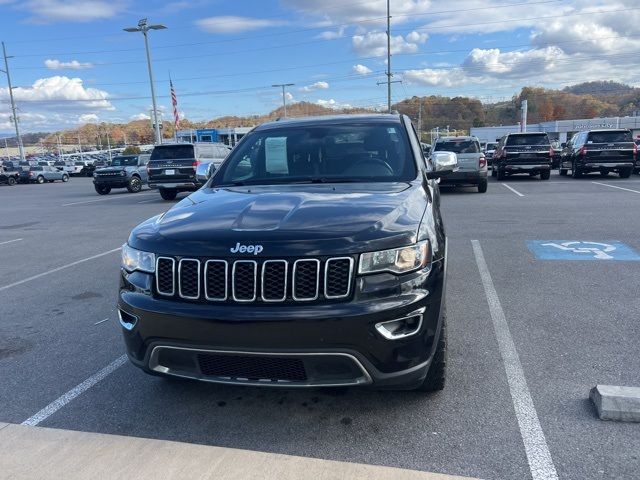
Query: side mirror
point(445, 163)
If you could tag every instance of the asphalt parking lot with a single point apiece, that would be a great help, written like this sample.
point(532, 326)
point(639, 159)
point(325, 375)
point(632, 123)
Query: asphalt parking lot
point(571, 323)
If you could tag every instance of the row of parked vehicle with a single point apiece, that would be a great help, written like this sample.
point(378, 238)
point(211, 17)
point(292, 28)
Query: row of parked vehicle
point(170, 168)
point(603, 151)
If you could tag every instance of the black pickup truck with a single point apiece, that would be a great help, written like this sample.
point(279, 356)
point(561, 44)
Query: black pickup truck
point(604, 151)
point(526, 152)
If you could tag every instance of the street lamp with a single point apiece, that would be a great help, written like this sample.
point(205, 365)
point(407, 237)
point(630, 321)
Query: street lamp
point(144, 28)
point(284, 97)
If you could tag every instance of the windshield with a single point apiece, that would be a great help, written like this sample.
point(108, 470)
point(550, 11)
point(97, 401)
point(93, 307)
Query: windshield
point(457, 146)
point(491, 146)
point(172, 152)
point(36, 169)
point(124, 162)
point(537, 139)
point(609, 137)
point(372, 153)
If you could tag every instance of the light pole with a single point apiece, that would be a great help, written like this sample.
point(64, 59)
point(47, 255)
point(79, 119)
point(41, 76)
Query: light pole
point(14, 110)
point(284, 95)
point(144, 28)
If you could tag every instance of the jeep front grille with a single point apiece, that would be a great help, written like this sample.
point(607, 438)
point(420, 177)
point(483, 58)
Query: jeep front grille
point(245, 281)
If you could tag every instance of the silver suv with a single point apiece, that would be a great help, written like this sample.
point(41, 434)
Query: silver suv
point(472, 164)
point(126, 171)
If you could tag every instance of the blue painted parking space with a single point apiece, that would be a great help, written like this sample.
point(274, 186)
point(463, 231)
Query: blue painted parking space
point(581, 250)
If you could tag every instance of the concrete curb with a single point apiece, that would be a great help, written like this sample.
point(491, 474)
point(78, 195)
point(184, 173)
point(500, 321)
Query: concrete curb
point(616, 403)
point(45, 453)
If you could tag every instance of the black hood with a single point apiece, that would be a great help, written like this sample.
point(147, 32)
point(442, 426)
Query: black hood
point(287, 220)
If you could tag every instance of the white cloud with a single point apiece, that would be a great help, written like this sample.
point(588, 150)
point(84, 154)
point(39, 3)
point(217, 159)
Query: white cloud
point(88, 118)
point(519, 64)
point(49, 11)
point(235, 24)
point(436, 77)
point(331, 34)
point(374, 44)
point(341, 11)
point(140, 116)
point(315, 86)
point(288, 96)
point(61, 92)
point(361, 69)
point(331, 103)
point(72, 65)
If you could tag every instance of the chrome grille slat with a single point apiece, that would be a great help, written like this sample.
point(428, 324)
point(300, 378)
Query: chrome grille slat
point(264, 294)
point(212, 264)
point(235, 279)
point(185, 285)
point(301, 269)
point(160, 272)
point(246, 281)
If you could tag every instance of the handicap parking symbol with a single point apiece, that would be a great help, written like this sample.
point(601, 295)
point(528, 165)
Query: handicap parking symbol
point(581, 250)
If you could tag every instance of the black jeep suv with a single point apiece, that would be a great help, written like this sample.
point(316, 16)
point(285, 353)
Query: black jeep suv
point(315, 256)
point(526, 152)
point(601, 151)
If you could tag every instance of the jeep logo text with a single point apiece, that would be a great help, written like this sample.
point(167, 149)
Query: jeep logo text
point(255, 249)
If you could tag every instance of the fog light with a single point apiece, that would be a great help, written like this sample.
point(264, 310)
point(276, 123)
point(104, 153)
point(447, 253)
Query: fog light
point(401, 327)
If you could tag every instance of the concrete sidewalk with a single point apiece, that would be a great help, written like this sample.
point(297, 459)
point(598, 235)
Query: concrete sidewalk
point(36, 453)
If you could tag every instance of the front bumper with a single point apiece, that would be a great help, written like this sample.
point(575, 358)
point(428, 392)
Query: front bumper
point(113, 182)
point(335, 344)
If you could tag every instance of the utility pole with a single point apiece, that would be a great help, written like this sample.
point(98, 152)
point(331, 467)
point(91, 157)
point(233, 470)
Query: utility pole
point(284, 95)
point(524, 106)
point(109, 145)
point(420, 122)
point(6, 149)
point(80, 147)
point(59, 146)
point(14, 110)
point(388, 72)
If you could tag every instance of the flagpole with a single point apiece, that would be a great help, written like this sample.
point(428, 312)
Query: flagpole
point(175, 109)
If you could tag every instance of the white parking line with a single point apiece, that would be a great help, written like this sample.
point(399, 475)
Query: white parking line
point(68, 265)
point(535, 445)
point(513, 190)
point(11, 241)
point(615, 186)
point(101, 321)
point(115, 197)
point(76, 391)
point(149, 201)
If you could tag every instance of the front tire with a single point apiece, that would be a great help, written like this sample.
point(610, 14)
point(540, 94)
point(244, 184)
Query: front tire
point(103, 189)
point(494, 172)
point(135, 185)
point(482, 186)
point(65, 178)
point(563, 172)
point(11, 181)
point(625, 173)
point(40, 179)
point(168, 194)
point(546, 175)
point(501, 175)
point(435, 379)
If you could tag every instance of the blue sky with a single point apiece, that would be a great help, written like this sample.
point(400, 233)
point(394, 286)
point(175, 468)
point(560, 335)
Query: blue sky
point(73, 63)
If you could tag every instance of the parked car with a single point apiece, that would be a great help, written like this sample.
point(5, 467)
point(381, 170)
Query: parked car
point(488, 150)
point(523, 152)
point(557, 155)
point(42, 174)
point(315, 256)
point(127, 171)
point(604, 151)
point(472, 164)
point(183, 167)
point(10, 177)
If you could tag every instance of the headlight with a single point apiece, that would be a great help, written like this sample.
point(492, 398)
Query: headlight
point(133, 259)
point(397, 260)
point(123, 173)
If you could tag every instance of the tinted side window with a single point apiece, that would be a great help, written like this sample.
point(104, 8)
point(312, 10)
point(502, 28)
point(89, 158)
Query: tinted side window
point(609, 137)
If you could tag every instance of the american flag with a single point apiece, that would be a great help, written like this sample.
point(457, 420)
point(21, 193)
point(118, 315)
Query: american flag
point(174, 102)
